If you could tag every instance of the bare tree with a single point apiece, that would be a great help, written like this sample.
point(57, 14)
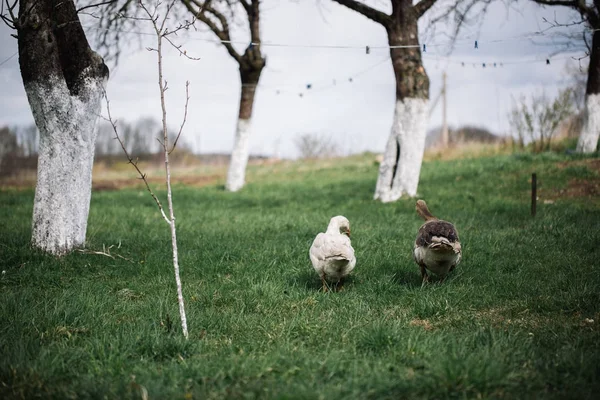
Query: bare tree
point(221, 17)
point(8, 144)
point(162, 33)
point(218, 16)
point(589, 12)
point(537, 120)
point(315, 146)
point(64, 80)
point(28, 138)
point(401, 165)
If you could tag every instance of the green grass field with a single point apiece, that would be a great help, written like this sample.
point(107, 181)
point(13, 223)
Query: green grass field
point(519, 318)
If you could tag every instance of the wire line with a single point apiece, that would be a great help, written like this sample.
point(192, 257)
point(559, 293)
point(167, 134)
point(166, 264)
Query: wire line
point(8, 59)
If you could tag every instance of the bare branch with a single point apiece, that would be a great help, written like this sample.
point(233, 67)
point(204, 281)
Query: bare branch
point(105, 252)
point(114, 18)
point(557, 24)
point(178, 48)
point(10, 20)
point(588, 11)
point(222, 33)
point(566, 3)
point(95, 5)
point(422, 7)
point(246, 5)
point(182, 27)
point(185, 110)
point(253, 20)
point(166, 17)
point(113, 123)
point(564, 40)
point(369, 12)
point(457, 14)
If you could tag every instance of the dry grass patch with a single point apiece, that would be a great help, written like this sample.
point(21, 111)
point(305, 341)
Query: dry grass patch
point(425, 324)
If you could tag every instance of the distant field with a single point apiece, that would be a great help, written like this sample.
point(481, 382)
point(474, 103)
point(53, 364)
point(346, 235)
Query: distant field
point(519, 318)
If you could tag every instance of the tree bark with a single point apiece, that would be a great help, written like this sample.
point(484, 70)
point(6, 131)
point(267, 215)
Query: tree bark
point(401, 166)
point(64, 81)
point(250, 70)
point(590, 132)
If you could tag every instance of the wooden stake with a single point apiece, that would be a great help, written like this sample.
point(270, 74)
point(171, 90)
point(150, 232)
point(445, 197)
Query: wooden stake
point(533, 194)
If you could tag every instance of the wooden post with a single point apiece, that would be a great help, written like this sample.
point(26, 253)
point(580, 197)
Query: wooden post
point(533, 194)
point(445, 138)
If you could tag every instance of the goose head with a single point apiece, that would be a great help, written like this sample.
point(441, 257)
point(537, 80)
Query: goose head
point(339, 225)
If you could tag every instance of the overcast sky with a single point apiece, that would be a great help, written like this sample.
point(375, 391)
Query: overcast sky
point(356, 115)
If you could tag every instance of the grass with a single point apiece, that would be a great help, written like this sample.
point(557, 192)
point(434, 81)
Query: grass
point(518, 319)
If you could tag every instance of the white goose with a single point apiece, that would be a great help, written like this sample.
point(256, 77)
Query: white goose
point(331, 253)
point(437, 247)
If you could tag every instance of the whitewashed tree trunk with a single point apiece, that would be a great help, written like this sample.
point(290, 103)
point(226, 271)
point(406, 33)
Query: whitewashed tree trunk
point(236, 175)
point(67, 126)
point(64, 81)
point(401, 165)
point(251, 63)
point(588, 139)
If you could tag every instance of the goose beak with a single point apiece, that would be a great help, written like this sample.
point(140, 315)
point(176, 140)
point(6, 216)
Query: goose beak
point(348, 232)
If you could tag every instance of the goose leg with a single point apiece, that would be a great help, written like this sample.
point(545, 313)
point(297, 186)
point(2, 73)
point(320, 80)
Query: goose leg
point(424, 276)
point(324, 283)
point(340, 285)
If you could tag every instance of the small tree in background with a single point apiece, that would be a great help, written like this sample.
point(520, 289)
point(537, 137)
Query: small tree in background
point(589, 18)
point(314, 146)
point(537, 120)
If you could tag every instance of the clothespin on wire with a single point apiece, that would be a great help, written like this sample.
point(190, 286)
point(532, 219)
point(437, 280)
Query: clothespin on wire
point(368, 50)
point(424, 48)
point(476, 45)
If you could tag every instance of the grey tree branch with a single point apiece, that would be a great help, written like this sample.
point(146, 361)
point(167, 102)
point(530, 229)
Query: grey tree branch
point(221, 32)
point(567, 3)
point(590, 12)
point(422, 7)
point(246, 5)
point(95, 5)
point(369, 12)
point(253, 15)
point(10, 20)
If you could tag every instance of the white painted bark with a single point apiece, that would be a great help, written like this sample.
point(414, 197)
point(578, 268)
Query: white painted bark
point(399, 173)
point(67, 126)
point(588, 139)
point(236, 175)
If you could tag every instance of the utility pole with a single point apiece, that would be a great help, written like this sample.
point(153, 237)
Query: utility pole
point(445, 138)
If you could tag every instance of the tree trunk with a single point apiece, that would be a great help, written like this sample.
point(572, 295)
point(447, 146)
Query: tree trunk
point(250, 76)
point(590, 132)
point(401, 166)
point(64, 81)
